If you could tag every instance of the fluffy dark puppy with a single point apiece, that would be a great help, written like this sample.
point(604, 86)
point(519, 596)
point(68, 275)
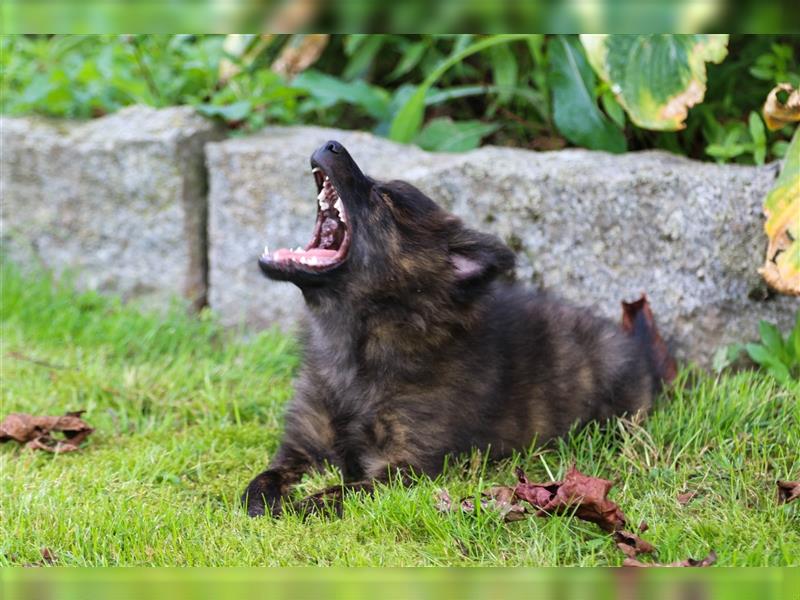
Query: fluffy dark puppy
point(419, 345)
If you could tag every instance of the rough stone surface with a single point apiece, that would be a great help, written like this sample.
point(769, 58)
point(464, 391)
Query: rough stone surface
point(120, 201)
point(593, 227)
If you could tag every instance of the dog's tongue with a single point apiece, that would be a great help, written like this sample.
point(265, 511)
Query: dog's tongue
point(287, 254)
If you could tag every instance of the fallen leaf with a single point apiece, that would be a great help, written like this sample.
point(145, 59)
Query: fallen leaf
point(689, 562)
point(48, 558)
point(638, 321)
point(443, 501)
point(537, 494)
point(503, 499)
point(788, 490)
point(631, 544)
point(643, 526)
point(686, 497)
point(35, 431)
point(500, 499)
point(585, 495)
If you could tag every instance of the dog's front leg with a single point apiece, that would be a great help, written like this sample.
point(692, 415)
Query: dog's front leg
point(307, 444)
point(268, 489)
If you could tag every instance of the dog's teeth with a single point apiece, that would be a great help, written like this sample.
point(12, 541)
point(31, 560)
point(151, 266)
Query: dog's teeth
point(340, 207)
point(315, 170)
point(299, 249)
point(313, 261)
point(266, 250)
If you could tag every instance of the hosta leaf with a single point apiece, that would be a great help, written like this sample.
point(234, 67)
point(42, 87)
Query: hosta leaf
point(575, 108)
point(782, 207)
point(655, 77)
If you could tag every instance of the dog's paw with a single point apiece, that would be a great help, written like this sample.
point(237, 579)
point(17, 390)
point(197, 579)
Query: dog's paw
point(263, 495)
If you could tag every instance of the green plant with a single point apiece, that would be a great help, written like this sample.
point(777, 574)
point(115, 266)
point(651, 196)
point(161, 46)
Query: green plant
point(777, 355)
point(444, 92)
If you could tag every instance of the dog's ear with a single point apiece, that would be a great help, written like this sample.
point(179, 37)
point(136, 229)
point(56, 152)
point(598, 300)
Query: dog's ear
point(477, 257)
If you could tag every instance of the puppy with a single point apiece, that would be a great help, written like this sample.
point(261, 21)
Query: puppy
point(419, 345)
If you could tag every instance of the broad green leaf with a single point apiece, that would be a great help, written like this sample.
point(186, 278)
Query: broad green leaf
point(327, 91)
point(446, 135)
point(407, 121)
point(411, 57)
point(613, 109)
point(782, 207)
point(235, 111)
point(759, 135)
point(362, 57)
point(793, 343)
point(504, 69)
point(655, 77)
point(763, 357)
point(772, 339)
point(575, 109)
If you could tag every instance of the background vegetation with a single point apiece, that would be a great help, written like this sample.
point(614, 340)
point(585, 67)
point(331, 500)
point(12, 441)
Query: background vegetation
point(503, 93)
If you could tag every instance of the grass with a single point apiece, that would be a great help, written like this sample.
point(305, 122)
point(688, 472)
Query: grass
point(185, 414)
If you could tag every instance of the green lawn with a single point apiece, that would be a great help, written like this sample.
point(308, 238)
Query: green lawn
point(185, 416)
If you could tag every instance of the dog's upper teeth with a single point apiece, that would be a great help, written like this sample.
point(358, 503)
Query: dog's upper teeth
point(316, 170)
point(340, 207)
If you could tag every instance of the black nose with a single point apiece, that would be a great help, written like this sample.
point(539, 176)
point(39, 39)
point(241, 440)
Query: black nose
point(334, 147)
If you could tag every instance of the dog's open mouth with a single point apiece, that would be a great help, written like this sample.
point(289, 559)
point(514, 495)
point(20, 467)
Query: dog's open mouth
point(331, 238)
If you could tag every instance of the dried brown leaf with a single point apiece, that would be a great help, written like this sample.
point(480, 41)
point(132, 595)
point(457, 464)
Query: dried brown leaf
point(689, 562)
point(48, 558)
point(584, 495)
point(638, 321)
point(631, 544)
point(788, 490)
point(443, 501)
point(686, 497)
point(35, 431)
point(300, 52)
point(777, 114)
point(502, 499)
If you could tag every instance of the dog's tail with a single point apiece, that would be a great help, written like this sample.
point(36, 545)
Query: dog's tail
point(638, 321)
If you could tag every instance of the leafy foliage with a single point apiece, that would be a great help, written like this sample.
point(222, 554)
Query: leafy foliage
point(526, 90)
point(656, 78)
point(778, 356)
point(782, 207)
point(575, 109)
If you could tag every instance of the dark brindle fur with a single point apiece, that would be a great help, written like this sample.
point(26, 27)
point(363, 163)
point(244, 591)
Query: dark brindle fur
point(419, 345)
